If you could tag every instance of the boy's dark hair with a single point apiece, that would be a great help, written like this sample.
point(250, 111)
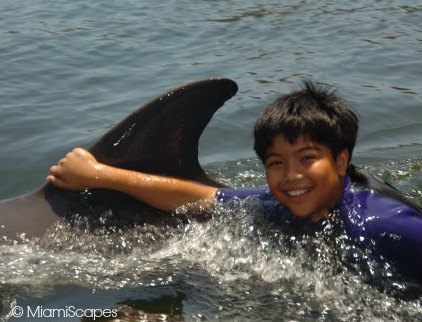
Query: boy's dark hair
point(314, 112)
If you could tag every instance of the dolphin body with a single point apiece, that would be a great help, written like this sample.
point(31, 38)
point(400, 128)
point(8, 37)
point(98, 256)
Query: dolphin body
point(160, 137)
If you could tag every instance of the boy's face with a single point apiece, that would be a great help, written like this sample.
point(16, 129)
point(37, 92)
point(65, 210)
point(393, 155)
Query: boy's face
point(304, 176)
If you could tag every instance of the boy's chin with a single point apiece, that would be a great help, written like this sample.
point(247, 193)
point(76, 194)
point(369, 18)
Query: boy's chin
point(314, 216)
point(319, 215)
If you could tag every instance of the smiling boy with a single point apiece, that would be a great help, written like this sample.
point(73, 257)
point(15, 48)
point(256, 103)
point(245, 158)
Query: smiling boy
point(305, 167)
point(304, 177)
point(305, 140)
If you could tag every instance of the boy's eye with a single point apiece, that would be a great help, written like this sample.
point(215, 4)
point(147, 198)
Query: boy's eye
point(273, 163)
point(307, 158)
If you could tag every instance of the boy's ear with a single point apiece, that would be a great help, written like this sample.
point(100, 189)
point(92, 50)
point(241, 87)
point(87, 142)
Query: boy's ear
point(342, 162)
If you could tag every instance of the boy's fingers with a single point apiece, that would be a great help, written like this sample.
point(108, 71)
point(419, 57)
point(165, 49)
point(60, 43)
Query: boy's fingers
point(57, 182)
point(55, 176)
point(50, 179)
point(54, 170)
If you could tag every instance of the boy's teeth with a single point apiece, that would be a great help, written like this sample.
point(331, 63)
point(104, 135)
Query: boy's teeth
point(295, 193)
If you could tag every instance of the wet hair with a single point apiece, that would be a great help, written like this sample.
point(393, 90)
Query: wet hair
point(314, 112)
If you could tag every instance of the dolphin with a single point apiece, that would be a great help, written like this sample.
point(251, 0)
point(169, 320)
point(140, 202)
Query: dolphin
point(160, 137)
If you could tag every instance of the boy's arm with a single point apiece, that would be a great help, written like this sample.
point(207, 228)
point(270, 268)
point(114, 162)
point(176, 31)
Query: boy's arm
point(80, 170)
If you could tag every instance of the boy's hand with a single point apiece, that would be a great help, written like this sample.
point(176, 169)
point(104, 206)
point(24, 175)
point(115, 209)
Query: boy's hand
point(76, 171)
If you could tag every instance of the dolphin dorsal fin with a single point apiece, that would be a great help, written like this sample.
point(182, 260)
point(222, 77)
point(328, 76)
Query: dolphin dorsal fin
point(162, 136)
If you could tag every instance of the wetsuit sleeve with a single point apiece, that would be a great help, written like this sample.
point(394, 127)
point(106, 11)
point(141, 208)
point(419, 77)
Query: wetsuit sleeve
point(398, 234)
point(225, 195)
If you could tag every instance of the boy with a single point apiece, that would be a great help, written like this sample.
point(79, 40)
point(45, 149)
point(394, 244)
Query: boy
point(305, 141)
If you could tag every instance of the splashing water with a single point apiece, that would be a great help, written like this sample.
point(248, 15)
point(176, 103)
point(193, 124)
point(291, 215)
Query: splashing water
point(236, 265)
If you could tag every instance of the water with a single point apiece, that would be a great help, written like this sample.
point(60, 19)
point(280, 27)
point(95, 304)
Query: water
point(70, 70)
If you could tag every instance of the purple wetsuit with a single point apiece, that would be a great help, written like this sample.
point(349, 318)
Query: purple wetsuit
point(390, 228)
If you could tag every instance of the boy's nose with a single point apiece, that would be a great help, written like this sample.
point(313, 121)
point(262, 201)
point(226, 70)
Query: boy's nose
point(293, 172)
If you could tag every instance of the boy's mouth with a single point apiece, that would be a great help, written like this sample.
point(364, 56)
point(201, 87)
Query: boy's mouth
point(298, 194)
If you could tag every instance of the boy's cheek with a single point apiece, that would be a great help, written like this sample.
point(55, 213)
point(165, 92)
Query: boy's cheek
point(273, 177)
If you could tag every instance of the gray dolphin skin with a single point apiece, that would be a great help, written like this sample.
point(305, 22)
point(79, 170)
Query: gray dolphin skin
point(161, 137)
